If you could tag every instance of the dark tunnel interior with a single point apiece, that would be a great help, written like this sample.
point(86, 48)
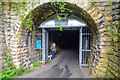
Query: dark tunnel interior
point(66, 39)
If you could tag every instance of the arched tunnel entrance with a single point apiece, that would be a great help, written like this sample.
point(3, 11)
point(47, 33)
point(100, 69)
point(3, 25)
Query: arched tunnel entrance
point(72, 24)
point(75, 35)
point(67, 40)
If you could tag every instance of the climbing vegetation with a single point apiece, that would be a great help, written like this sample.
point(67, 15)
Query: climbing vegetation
point(59, 7)
point(11, 71)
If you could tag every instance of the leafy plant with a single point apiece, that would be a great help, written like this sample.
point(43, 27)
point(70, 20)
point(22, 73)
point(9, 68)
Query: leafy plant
point(20, 71)
point(48, 62)
point(36, 64)
point(12, 72)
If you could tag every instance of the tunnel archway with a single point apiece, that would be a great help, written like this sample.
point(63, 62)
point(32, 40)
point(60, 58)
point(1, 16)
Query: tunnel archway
point(42, 12)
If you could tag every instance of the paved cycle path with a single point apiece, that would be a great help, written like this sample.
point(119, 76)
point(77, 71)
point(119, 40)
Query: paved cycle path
point(64, 66)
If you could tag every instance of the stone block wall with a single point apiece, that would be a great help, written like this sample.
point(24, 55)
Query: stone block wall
point(10, 26)
point(113, 64)
point(3, 46)
point(9, 30)
point(104, 59)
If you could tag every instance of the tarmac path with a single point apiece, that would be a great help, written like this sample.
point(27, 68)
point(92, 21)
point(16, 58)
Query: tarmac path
point(63, 66)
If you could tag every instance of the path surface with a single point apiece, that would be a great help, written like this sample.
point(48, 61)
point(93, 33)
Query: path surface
point(64, 66)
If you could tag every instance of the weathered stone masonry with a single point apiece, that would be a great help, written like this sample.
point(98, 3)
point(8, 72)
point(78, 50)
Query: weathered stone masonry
point(104, 64)
point(105, 56)
point(113, 65)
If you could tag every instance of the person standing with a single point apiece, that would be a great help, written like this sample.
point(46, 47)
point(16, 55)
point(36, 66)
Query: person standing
point(53, 50)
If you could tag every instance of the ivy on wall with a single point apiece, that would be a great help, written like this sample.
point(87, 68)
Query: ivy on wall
point(59, 7)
